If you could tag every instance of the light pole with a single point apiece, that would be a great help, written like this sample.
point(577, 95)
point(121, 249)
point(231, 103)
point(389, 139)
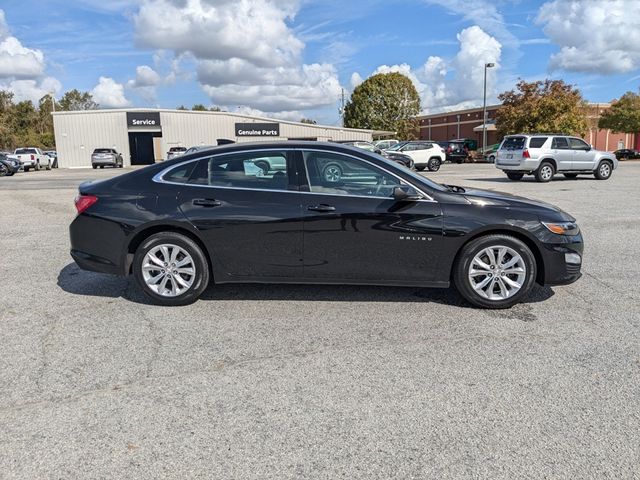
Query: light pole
point(484, 108)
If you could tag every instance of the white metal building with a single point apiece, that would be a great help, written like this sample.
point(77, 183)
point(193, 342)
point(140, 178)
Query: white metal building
point(144, 136)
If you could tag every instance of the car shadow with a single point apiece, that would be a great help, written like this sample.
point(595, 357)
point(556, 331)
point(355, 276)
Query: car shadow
point(529, 179)
point(73, 280)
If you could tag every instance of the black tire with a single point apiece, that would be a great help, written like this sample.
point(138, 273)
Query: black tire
point(459, 160)
point(101, 166)
point(332, 173)
point(545, 172)
point(201, 266)
point(570, 175)
point(48, 167)
point(465, 258)
point(263, 165)
point(604, 170)
point(37, 167)
point(492, 159)
point(4, 170)
point(94, 166)
point(515, 176)
point(420, 167)
point(434, 164)
point(26, 169)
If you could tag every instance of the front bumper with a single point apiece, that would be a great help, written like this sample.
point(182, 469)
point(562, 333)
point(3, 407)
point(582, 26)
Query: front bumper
point(560, 266)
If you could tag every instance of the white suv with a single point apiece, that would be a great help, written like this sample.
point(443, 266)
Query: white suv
point(544, 155)
point(424, 154)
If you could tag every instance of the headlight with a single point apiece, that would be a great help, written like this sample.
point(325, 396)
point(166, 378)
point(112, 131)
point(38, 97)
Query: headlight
point(562, 228)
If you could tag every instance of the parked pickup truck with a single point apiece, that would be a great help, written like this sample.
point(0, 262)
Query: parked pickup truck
point(32, 157)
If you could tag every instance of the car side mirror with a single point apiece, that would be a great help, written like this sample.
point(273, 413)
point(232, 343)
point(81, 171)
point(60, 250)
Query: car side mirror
point(405, 194)
point(378, 151)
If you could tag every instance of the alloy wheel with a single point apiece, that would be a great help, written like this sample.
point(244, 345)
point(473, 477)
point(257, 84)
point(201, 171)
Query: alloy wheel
point(332, 173)
point(168, 270)
point(546, 172)
point(605, 170)
point(497, 272)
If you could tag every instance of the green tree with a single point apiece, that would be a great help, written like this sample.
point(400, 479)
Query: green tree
point(7, 116)
point(76, 100)
point(310, 121)
point(386, 101)
point(182, 107)
point(623, 116)
point(198, 107)
point(547, 106)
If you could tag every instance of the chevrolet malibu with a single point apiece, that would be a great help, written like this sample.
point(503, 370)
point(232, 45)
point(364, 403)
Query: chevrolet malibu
point(213, 217)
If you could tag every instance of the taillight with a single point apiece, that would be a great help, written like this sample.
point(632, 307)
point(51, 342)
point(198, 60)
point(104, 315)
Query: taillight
point(33, 157)
point(525, 154)
point(84, 201)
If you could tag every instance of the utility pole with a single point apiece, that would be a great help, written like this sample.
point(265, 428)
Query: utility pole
point(484, 108)
point(342, 107)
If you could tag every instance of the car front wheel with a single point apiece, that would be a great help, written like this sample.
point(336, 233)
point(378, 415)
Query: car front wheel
point(495, 271)
point(171, 269)
point(604, 171)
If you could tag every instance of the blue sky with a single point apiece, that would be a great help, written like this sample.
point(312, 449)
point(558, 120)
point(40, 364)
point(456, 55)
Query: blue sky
point(291, 58)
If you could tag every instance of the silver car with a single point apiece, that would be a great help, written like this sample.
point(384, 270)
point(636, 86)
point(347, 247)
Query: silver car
point(102, 157)
point(544, 155)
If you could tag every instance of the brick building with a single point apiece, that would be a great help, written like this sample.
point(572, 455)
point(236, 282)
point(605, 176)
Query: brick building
point(468, 124)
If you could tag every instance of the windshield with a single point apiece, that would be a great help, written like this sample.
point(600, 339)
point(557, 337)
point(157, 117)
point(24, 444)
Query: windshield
point(397, 146)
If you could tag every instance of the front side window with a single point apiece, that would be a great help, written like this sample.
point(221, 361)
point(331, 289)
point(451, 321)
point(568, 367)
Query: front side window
point(336, 174)
point(577, 144)
point(252, 170)
point(560, 143)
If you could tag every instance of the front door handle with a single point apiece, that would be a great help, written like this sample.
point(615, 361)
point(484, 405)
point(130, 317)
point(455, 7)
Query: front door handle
point(321, 208)
point(207, 202)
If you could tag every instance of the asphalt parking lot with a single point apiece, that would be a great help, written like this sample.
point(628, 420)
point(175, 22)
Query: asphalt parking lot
point(259, 381)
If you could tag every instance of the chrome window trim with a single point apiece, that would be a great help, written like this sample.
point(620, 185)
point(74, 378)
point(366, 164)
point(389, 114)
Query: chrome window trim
point(157, 178)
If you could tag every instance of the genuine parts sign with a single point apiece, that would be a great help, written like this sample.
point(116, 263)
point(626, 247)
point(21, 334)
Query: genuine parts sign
point(257, 129)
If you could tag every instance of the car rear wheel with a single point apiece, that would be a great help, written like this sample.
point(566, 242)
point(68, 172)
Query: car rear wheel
point(434, 164)
point(570, 175)
point(496, 271)
point(171, 269)
point(515, 176)
point(4, 170)
point(26, 169)
point(545, 172)
point(37, 167)
point(459, 160)
point(420, 167)
point(94, 166)
point(604, 171)
point(49, 165)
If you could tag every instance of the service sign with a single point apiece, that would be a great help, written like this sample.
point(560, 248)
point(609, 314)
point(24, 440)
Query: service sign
point(143, 119)
point(257, 129)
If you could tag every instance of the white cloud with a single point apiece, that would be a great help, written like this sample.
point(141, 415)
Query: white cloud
point(145, 82)
point(32, 90)
point(244, 51)
point(109, 93)
point(457, 82)
point(253, 30)
point(599, 36)
point(356, 79)
point(294, 116)
point(17, 61)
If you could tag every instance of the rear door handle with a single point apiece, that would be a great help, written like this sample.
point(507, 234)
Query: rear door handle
point(321, 208)
point(207, 202)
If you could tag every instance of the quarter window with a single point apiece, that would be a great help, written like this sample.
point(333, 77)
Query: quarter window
point(257, 170)
point(537, 142)
point(336, 174)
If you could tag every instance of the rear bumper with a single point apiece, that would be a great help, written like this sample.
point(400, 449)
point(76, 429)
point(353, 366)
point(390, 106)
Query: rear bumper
point(98, 244)
point(103, 162)
point(528, 165)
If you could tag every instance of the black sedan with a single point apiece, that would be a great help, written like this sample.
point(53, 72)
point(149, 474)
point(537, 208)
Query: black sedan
point(626, 154)
point(9, 166)
point(214, 217)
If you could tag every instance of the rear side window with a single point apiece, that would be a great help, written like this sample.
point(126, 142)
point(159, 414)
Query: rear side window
point(560, 143)
point(259, 170)
point(537, 142)
point(513, 143)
